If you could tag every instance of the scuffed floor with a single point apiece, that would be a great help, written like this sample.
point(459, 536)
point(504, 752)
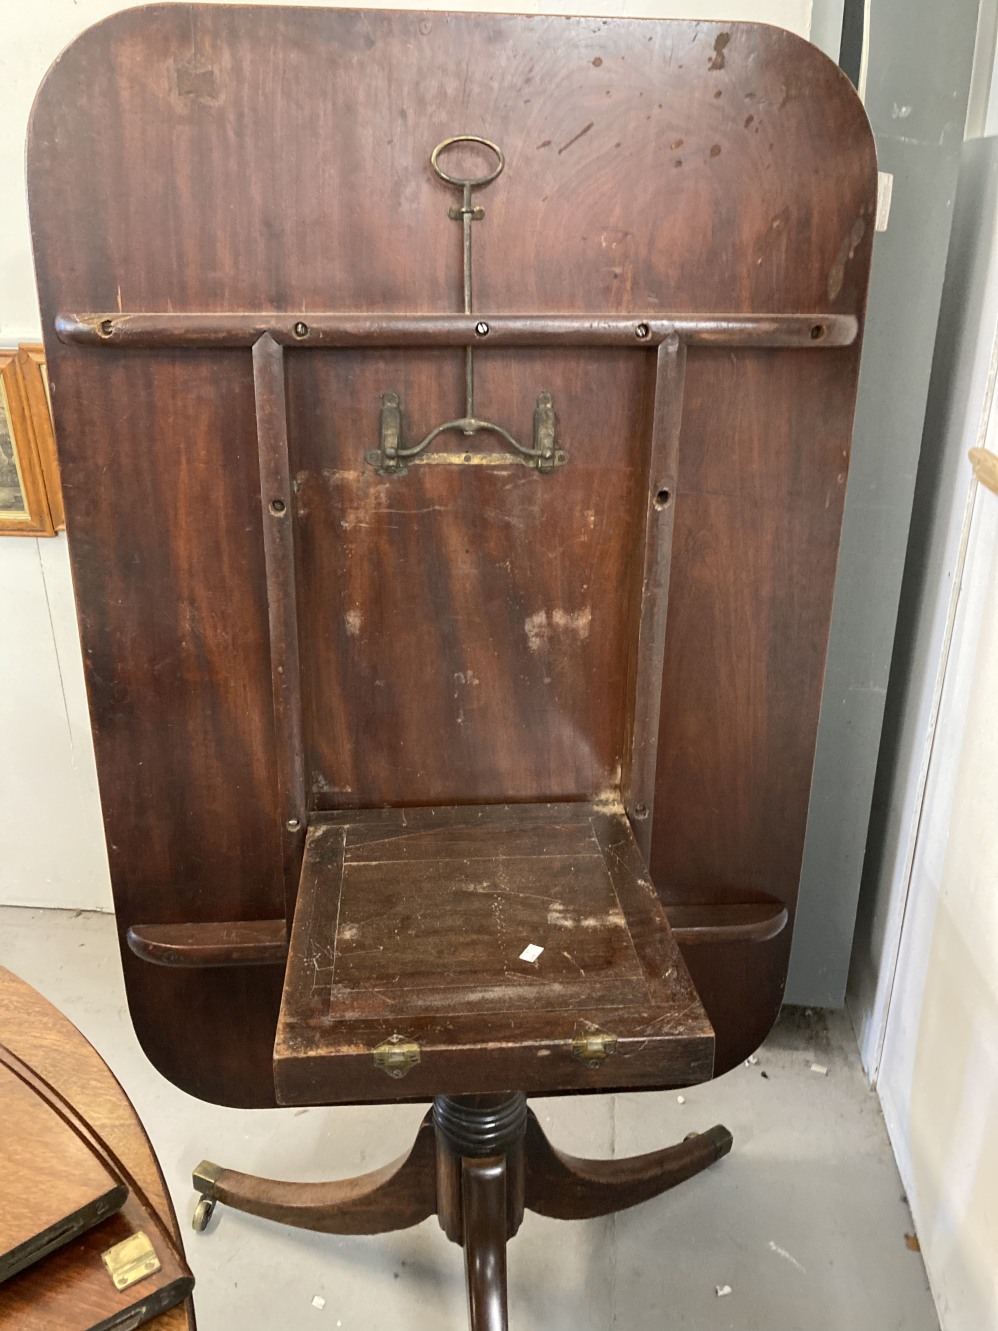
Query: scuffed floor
point(805, 1220)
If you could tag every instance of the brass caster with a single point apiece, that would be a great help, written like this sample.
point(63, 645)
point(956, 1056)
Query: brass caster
point(205, 1178)
point(202, 1214)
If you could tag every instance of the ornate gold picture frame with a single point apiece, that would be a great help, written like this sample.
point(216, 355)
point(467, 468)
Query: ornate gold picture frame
point(30, 492)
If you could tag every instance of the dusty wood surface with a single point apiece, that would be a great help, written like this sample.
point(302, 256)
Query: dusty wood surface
point(412, 922)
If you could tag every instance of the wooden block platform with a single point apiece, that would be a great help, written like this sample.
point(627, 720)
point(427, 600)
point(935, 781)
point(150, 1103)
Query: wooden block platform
point(410, 926)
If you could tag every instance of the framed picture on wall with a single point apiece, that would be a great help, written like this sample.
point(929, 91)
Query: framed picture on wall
point(34, 374)
point(30, 493)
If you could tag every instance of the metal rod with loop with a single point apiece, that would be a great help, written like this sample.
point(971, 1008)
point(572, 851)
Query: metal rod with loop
point(390, 457)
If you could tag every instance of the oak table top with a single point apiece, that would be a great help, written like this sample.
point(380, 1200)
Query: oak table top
point(41, 1036)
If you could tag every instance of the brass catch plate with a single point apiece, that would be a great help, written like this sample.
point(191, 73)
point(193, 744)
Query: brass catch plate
point(131, 1260)
point(593, 1047)
point(396, 1055)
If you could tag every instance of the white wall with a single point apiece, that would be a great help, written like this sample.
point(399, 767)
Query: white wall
point(51, 841)
point(956, 420)
point(924, 983)
point(939, 1069)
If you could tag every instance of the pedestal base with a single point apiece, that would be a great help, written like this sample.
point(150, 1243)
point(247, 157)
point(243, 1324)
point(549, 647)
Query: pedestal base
point(477, 1163)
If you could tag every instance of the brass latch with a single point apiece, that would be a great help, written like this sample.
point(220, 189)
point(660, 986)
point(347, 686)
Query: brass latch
point(396, 1055)
point(593, 1047)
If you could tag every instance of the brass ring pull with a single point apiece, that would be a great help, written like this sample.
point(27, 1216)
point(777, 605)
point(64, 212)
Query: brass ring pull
point(480, 181)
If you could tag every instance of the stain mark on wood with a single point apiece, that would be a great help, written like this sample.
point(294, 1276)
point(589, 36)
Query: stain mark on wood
point(195, 80)
point(584, 130)
point(720, 45)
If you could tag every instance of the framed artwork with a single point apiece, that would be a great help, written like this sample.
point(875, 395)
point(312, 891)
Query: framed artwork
point(30, 492)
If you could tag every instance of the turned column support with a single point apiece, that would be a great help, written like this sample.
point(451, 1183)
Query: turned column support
point(476, 1128)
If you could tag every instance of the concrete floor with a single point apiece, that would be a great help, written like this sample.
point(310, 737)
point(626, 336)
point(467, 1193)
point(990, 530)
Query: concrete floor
point(805, 1220)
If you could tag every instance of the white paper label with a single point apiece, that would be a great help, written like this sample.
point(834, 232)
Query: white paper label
point(531, 952)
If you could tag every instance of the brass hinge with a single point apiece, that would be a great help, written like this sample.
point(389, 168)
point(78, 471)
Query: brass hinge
point(131, 1260)
point(593, 1047)
point(396, 1055)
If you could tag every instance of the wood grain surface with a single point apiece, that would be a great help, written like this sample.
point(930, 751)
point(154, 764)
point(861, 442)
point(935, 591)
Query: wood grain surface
point(72, 1289)
point(42, 1037)
point(52, 1187)
point(466, 633)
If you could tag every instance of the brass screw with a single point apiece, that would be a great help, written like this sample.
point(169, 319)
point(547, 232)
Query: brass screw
point(482, 328)
point(301, 329)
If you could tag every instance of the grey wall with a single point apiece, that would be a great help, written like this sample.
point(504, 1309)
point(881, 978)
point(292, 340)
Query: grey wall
point(920, 60)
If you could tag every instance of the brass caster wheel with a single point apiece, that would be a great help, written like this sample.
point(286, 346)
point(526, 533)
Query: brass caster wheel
point(203, 1212)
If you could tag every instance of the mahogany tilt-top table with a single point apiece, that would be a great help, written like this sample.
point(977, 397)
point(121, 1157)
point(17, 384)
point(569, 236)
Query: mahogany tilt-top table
point(454, 414)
